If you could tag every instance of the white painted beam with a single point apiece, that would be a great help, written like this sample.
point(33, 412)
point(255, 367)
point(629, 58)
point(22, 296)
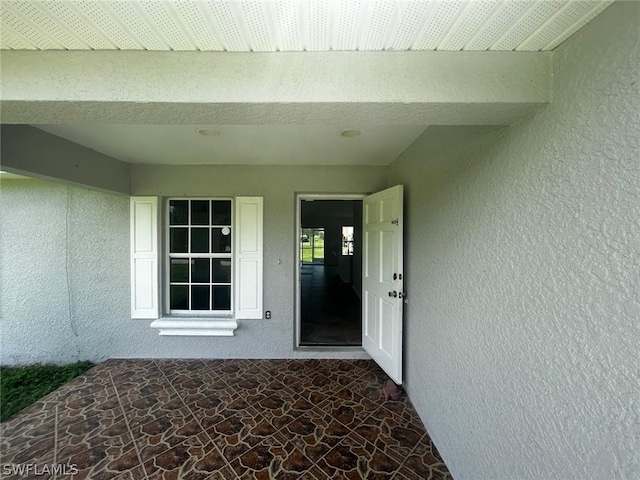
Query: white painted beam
point(282, 88)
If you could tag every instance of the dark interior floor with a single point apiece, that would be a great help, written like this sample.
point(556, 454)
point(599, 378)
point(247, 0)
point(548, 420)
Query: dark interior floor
point(331, 310)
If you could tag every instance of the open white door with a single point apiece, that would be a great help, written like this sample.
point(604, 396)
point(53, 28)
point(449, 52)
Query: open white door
point(382, 280)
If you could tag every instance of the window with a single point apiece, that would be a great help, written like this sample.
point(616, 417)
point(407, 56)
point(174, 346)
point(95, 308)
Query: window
point(200, 266)
point(212, 263)
point(347, 240)
point(312, 245)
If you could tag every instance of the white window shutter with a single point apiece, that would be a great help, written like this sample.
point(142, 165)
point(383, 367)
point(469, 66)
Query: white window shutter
point(144, 258)
point(248, 257)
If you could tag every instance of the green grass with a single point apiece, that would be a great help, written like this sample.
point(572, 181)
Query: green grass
point(21, 386)
point(307, 253)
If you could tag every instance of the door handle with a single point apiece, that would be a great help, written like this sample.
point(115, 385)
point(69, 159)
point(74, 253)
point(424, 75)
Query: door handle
point(394, 294)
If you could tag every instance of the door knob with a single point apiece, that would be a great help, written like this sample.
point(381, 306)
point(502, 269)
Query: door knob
point(393, 294)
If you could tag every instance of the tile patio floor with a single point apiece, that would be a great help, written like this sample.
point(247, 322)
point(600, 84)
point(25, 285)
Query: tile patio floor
point(224, 419)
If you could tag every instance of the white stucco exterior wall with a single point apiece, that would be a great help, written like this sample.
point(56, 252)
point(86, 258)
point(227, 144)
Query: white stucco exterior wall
point(523, 323)
point(65, 265)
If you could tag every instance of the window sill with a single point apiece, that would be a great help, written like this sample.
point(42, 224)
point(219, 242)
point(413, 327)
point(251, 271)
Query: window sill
point(195, 327)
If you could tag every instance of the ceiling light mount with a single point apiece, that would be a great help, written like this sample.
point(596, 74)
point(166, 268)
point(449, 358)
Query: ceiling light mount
point(350, 133)
point(207, 132)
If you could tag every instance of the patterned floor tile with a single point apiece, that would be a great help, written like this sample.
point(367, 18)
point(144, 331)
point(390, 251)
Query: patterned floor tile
point(202, 387)
point(104, 461)
point(164, 433)
point(240, 432)
point(100, 408)
point(225, 420)
point(348, 408)
point(90, 433)
point(190, 460)
point(35, 451)
point(274, 458)
point(426, 461)
point(135, 473)
point(315, 433)
point(215, 408)
point(352, 458)
point(175, 368)
point(158, 388)
point(391, 434)
point(143, 410)
point(27, 428)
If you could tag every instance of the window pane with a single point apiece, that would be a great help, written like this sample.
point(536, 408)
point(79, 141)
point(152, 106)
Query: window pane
point(178, 241)
point(347, 240)
point(178, 212)
point(199, 240)
point(200, 270)
point(221, 214)
point(221, 298)
point(199, 212)
point(221, 240)
point(200, 298)
point(222, 270)
point(179, 297)
point(179, 270)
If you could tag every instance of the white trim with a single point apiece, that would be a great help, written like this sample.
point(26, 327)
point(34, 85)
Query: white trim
point(195, 327)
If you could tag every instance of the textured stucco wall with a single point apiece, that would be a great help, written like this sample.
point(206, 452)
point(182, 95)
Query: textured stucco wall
point(523, 274)
point(65, 280)
point(428, 88)
point(44, 222)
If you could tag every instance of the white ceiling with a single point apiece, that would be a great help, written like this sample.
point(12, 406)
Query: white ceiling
point(243, 144)
point(292, 25)
point(269, 26)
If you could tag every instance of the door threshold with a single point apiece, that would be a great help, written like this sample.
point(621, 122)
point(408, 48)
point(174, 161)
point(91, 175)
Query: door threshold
point(329, 348)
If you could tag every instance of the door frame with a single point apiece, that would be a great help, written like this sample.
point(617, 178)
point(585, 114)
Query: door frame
point(299, 198)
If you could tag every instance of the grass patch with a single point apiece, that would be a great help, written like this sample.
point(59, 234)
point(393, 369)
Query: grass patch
point(311, 251)
point(21, 386)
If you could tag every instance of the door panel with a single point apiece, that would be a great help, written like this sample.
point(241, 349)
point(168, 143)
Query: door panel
point(386, 258)
point(386, 334)
point(370, 316)
point(371, 255)
point(382, 283)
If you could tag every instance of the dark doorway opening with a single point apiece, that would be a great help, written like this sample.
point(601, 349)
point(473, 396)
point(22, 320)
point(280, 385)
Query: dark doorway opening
point(330, 273)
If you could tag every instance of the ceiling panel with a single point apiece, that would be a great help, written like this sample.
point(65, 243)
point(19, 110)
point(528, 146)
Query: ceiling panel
point(293, 25)
point(493, 29)
point(472, 17)
point(195, 21)
point(317, 25)
point(105, 22)
point(243, 144)
point(571, 18)
point(530, 23)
